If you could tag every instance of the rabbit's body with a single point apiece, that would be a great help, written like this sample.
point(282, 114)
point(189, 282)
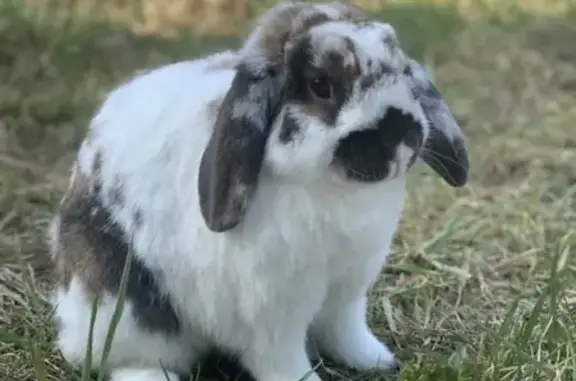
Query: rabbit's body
point(267, 277)
point(170, 165)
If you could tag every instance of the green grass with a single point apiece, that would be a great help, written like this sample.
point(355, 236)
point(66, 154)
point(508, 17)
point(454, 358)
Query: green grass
point(482, 281)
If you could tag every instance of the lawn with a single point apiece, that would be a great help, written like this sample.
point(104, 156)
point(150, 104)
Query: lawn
point(482, 281)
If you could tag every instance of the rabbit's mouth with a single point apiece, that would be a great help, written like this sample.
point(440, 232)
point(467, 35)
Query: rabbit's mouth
point(376, 154)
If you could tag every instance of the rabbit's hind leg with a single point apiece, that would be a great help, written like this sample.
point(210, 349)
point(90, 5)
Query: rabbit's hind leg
point(136, 349)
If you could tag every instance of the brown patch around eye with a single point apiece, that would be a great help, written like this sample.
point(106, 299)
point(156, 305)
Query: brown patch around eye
point(341, 69)
point(324, 108)
point(309, 72)
point(326, 112)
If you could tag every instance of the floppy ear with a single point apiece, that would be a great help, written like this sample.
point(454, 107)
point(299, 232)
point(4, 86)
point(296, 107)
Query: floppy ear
point(231, 163)
point(445, 149)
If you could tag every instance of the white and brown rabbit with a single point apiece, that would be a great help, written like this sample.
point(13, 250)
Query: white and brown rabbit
point(259, 191)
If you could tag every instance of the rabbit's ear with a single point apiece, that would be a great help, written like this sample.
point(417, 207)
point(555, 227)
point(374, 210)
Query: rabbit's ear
point(231, 163)
point(445, 149)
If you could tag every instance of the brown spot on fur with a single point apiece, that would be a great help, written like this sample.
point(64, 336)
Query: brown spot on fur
point(309, 22)
point(71, 257)
point(93, 247)
point(281, 26)
point(339, 65)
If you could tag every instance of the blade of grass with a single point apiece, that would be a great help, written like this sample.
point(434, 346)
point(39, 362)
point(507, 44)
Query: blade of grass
point(37, 358)
point(505, 327)
point(87, 366)
point(118, 310)
point(38, 362)
point(311, 371)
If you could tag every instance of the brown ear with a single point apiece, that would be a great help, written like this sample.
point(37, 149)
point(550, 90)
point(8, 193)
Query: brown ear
point(231, 163)
point(445, 149)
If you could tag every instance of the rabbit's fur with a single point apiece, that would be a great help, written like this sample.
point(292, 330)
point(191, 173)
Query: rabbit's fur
point(259, 211)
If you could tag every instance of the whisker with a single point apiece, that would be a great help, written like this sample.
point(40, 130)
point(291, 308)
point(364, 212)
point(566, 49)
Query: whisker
point(439, 163)
point(439, 155)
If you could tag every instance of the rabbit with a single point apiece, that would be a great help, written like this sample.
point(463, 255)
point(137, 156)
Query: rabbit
point(255, 193)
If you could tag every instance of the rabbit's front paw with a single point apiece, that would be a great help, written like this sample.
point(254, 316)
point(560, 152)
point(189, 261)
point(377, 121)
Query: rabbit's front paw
point(342, 334)
point(367, 352)
point(358, 348)
point(282, 360)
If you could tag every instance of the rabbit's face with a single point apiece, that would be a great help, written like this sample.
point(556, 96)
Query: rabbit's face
point(322, 93)
point(348, 108)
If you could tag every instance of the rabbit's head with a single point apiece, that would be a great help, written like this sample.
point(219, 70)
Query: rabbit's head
point(323, 93)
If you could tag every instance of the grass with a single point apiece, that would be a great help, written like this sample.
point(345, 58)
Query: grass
point(482, 281)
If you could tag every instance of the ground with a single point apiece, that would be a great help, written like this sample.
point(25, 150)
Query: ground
point(481, 284)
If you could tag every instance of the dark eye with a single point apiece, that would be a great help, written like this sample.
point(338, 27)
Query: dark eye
point(320, 87)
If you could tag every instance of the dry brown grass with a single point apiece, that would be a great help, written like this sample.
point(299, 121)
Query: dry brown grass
point(481, 285)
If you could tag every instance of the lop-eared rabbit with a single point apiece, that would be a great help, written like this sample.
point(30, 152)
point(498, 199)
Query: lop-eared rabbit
point(257, 192)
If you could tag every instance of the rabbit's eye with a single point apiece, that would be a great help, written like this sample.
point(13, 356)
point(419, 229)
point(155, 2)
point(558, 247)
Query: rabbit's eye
point(320, 87)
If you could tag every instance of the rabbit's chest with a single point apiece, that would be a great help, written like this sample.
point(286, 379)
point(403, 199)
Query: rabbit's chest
point(281, 262)
point(293, 236)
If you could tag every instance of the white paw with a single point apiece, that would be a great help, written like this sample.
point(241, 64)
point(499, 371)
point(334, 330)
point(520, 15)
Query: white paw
point(364, 352)
point(306, 376)
point(136, 374)
point(376, 355)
